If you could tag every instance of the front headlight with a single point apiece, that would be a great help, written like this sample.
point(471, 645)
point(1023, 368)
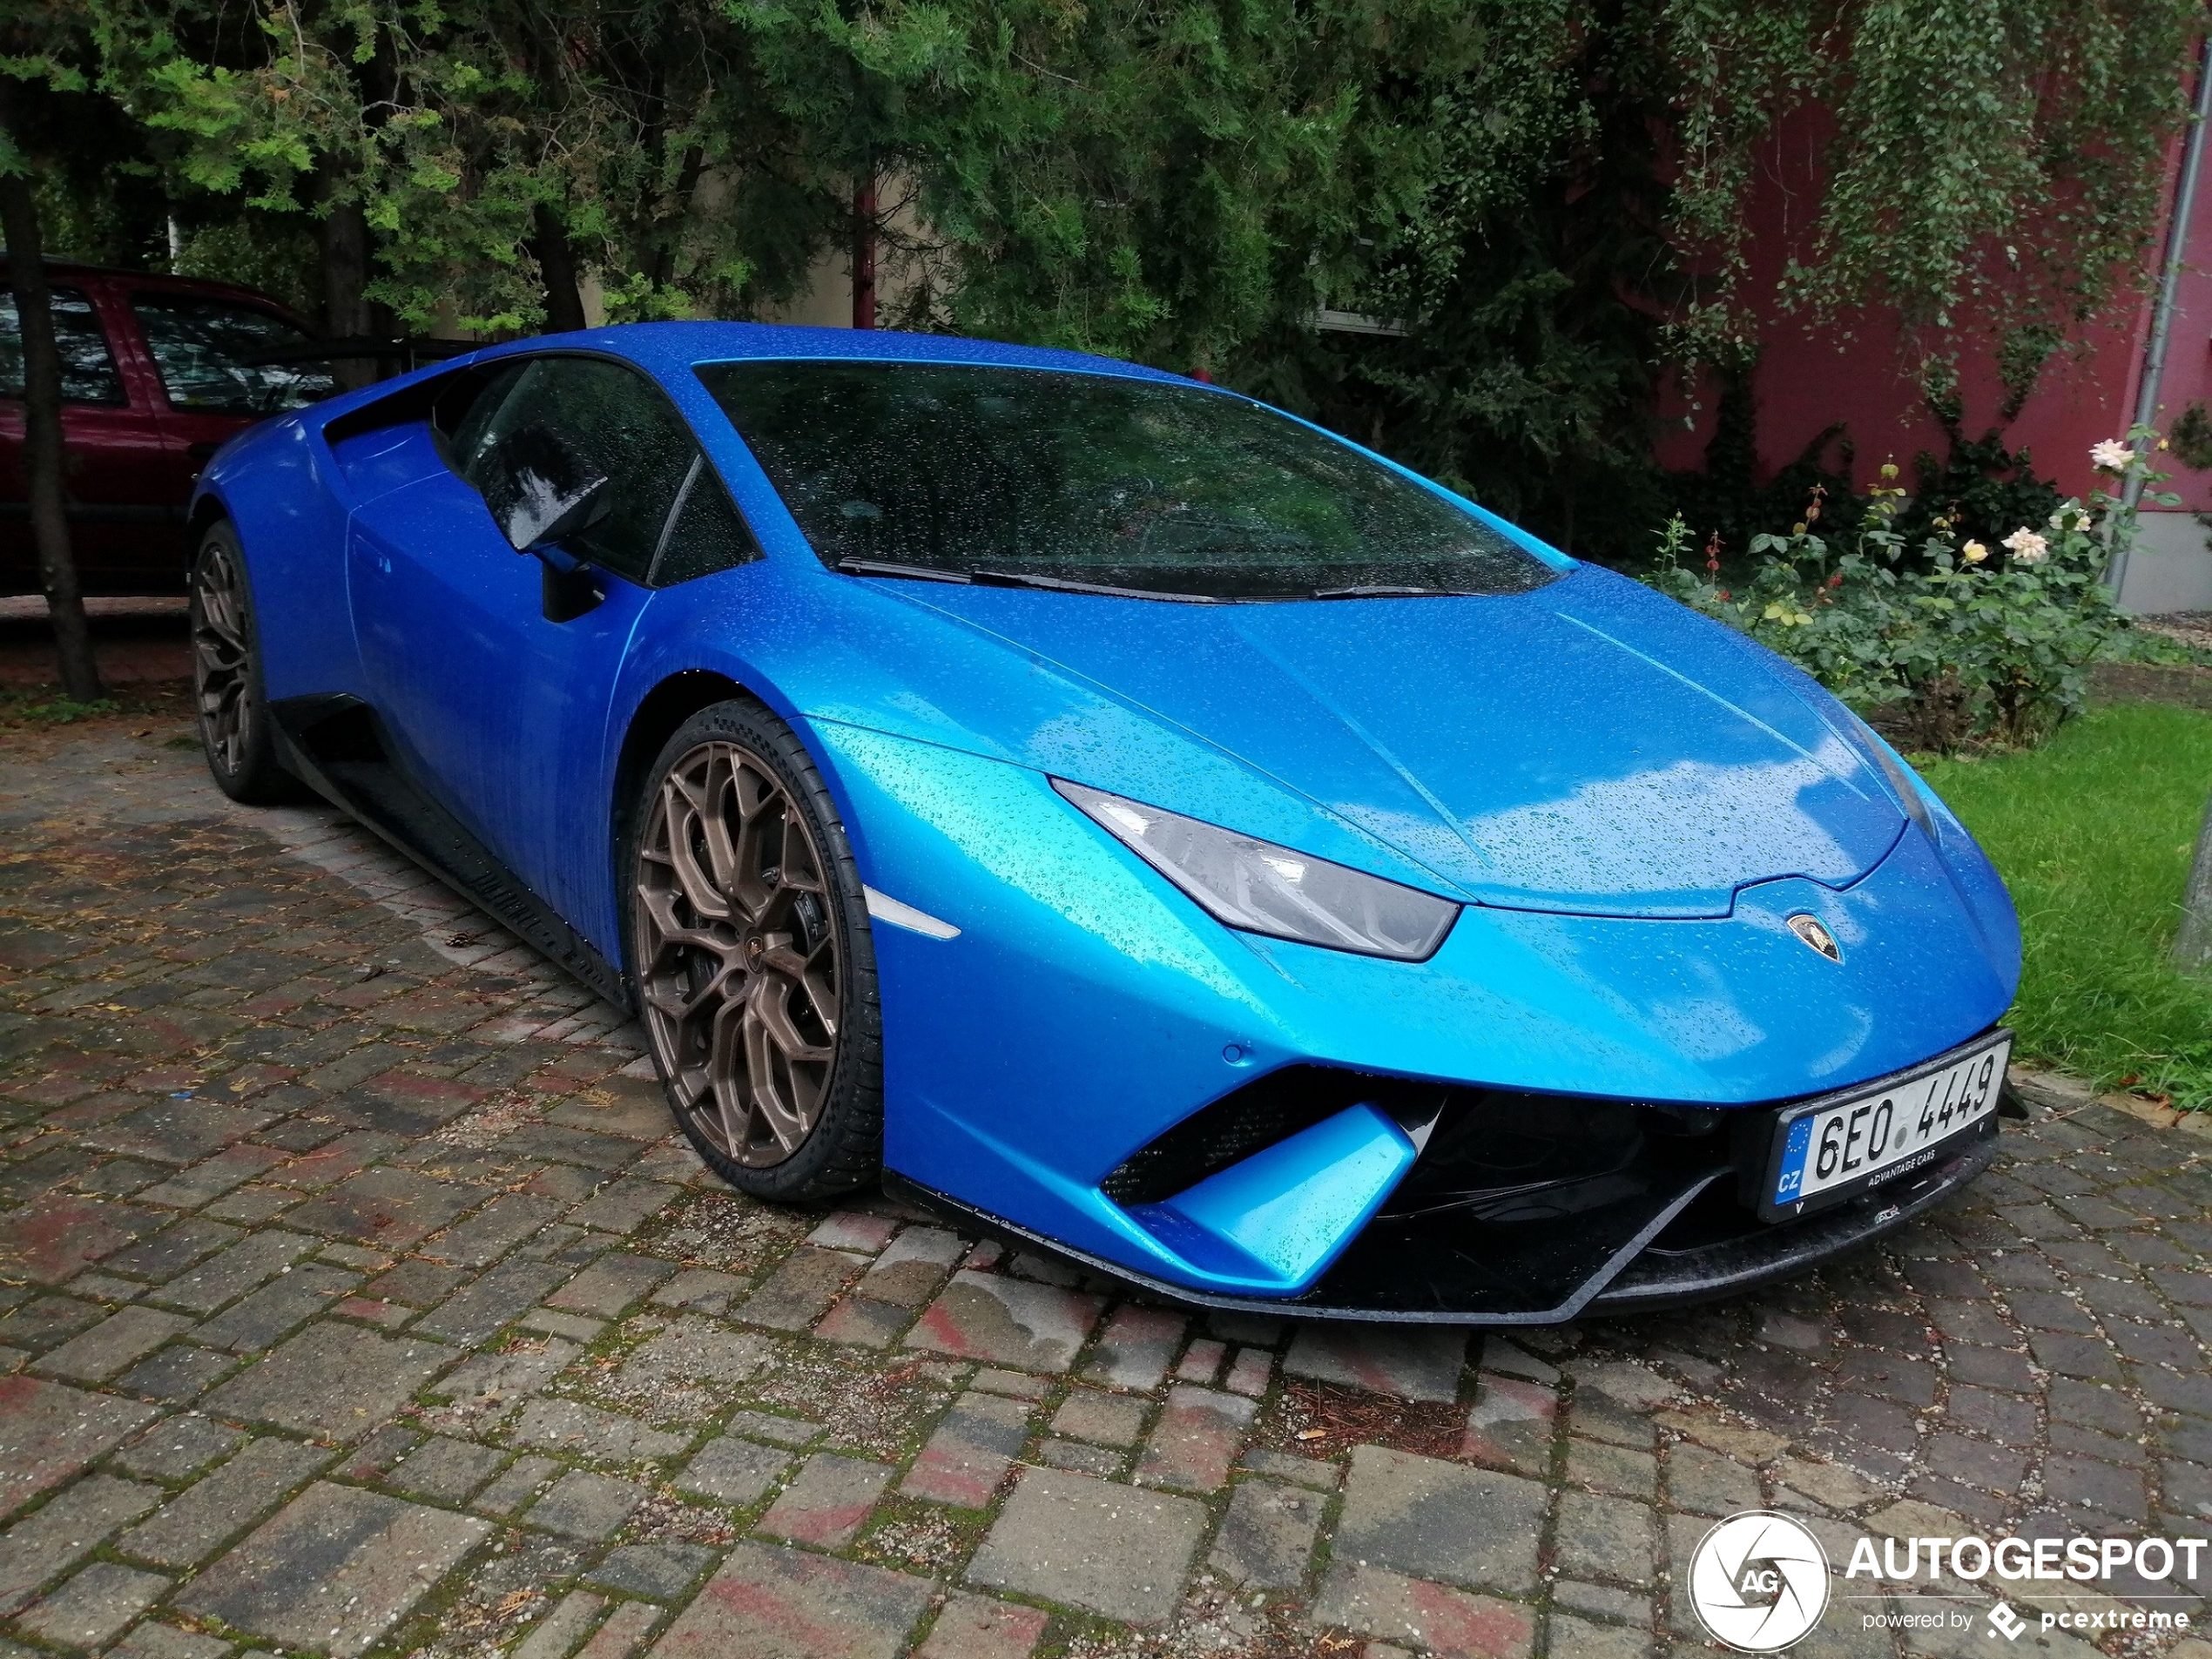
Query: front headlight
point(1902, 784)
point(1260, 888)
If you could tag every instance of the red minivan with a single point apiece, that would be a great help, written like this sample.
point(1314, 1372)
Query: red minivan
point(156, 373)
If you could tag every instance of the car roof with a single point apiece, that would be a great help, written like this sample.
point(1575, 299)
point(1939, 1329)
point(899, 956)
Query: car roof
point(669, 349)
point(70, 272)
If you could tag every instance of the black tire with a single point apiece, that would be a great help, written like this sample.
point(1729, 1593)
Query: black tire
point(727, 999)
point(235, 731)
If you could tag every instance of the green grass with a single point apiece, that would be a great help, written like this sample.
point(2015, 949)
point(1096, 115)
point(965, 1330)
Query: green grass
point(2093, 832)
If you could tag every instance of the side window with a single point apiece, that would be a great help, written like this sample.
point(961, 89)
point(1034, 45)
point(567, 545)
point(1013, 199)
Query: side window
point(205, 352)
point(705, 532)
point(88, 368)
point(621, 421)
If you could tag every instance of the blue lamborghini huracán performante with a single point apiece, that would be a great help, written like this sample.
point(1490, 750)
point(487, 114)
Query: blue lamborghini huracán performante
point(1119, 815)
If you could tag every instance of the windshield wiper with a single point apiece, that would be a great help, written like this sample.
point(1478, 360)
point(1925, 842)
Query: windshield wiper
point(911, 572)
point(1384, 590)
point(1062, 584)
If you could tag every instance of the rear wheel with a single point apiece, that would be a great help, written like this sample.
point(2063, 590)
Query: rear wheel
point(235, 731)
point(754, 963)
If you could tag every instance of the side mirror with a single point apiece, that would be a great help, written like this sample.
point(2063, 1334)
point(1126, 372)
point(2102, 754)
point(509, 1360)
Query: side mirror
point(539, 487)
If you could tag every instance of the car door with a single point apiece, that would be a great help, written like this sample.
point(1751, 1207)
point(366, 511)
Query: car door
point(501, 711)
point(126, 516)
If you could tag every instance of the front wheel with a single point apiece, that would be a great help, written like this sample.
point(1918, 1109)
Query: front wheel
point(753, 960)
point(235, 731)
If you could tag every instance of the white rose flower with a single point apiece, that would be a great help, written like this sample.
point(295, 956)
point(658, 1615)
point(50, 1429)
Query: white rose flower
point(2026, 546)
point(2111, 454)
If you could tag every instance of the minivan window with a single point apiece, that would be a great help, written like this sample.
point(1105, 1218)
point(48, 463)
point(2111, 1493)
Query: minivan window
point(88, 368)
point(204, 351)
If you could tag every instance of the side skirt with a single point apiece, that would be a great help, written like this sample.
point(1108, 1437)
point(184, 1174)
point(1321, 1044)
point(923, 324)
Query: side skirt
point(335, 744)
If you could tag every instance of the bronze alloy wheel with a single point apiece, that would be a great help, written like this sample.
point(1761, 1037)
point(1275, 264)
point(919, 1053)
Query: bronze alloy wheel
point(221, 669)
point(737, 957)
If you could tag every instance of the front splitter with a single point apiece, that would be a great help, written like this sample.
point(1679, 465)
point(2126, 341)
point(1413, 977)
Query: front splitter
point(1634, 1277)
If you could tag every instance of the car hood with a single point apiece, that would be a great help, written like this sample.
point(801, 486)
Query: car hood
point(1591, 747)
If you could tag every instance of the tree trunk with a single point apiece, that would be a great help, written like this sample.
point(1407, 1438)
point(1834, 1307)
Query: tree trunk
point(344, 236)
point(42, 447)
point(556, 269)
point(864, 252)
point(2192, 945)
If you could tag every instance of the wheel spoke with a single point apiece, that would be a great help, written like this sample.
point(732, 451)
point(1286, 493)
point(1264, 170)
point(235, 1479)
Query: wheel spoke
point(739, 970)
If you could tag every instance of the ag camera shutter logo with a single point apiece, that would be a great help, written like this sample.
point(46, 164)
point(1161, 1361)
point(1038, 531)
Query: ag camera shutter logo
point(1759, 1582)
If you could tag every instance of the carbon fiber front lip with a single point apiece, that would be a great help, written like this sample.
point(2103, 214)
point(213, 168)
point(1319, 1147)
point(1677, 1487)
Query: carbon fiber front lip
point(1636, 1280)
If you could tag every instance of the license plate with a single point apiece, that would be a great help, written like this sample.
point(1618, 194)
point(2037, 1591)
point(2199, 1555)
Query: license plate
point(1867, 1136)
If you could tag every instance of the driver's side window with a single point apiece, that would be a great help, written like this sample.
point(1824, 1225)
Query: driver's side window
point(616, 420)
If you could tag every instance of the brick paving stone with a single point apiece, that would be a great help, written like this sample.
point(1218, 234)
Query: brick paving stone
point(1606, 1538)
point(177, 1448)
point(1112, 1419)
point(584, 1504)
point(43, 1546)
point(390, 1208)
point(516, 1485)
point(568, 1425)
point(1012, 1384)
point(1007, 1321)
point(1431, 1519)
point(235, 1271)
point(828, 1502)
point(572, 1325)
point(970, 1453)
point(118, 1341)
point(1510, 1424)
point(562, 1628)
point(176, 1131)
point(166, 1642)
point(611, 1284)
point(509, 1291)
point(1281, 1466)
point(701, 1288)
point(863, 1322)
point(177, 1374)
point(49, 1431)
point(493, 1230)
point(694, 1351)
point(623, 1204)
point(1096, 1545)
point(800, 1290)
point(1107, 1463)
point(52, 1240)
point(92, 1608)
point(1201, 1361)
point(624, 1633)
point(768, 1603)
point(1250, 1372)
point(969, 1627)
point(1195, 1442)
point(1588, 1641)
point(209, 1179)
point(853, 1229)
point(447, 1470)
point(1616, 1469)
point(289, 1300)
point(1413, 1362)
point(335, 1380)
point(663, 1571)
point(911, 1266)
point(195, 1524)
point(732, 1471)
point(334, 1570)
point(1447, 1623)
point(1267, 1536)
point(170, 1251)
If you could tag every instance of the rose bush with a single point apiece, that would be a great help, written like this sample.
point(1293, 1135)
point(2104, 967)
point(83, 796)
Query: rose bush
point(1957, 646)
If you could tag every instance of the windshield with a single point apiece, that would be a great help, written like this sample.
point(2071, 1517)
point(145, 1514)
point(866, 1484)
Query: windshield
point(1093, 479)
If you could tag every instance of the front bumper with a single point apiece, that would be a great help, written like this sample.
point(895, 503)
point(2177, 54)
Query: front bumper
point(1670, 1228)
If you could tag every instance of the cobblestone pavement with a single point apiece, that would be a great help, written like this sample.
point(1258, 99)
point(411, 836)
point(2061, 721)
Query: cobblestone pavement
point(360, 1301)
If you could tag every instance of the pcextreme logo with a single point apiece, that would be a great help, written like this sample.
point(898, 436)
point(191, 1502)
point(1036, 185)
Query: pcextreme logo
point(1759, 1582)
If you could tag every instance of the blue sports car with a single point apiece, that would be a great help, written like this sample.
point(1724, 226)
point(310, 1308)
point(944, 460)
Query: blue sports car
point(1119, 815)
